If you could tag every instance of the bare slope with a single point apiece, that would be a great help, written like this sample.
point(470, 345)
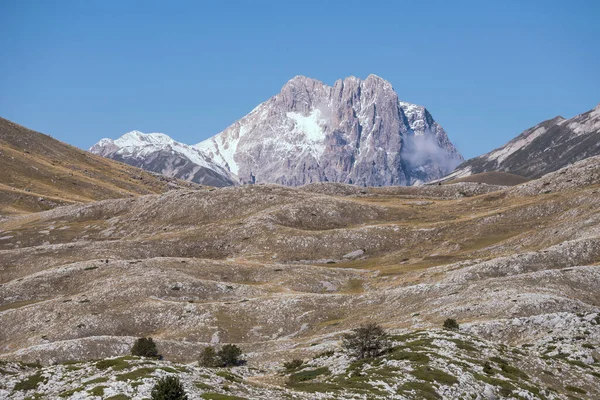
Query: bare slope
point(493, 178)
point(546, 147)
point(283, 271)
point(38, 172)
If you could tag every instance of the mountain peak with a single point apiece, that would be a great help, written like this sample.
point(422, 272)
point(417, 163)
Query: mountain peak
point(301, 80)
point(377, 78)
point(356, 131)
point(312, 132)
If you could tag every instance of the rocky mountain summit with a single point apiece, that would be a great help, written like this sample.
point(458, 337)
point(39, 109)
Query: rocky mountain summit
point(544, 148)
point(356, 131)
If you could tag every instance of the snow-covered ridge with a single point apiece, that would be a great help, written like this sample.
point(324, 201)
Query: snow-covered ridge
point(138, 144)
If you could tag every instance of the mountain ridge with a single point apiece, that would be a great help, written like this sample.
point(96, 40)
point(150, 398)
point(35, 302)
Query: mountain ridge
point(356, 131)
point(543, 148)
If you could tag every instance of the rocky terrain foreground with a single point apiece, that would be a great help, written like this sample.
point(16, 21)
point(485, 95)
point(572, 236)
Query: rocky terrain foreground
point(283, 272)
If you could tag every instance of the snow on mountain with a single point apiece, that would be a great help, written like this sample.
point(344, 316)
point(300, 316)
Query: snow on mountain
point(159, 153)
point(356, 131)
point(544, 148)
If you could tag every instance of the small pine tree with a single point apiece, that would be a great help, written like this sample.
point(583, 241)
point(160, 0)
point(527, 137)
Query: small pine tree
point(168, 388)
point(144, 347)
point(209, 358)
point(451, 324)
point(366, 342)
point(229, 355)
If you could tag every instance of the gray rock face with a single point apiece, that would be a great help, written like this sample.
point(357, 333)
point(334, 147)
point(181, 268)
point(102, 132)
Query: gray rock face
point(354, 132)
point(547, 147)
point(159, 153)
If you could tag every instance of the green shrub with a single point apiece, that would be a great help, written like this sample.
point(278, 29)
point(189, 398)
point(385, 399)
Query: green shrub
point(451, 324)
point(367, 341)
point(168, 388)
point(487, 368)
point(209, 358)
point(308, 375)
point(144, 347)
point(31, 382)
point(292, 365)
point(228, 356)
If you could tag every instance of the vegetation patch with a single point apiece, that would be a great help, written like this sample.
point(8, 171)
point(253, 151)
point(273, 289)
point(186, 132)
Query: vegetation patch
point(308, 375)
point(71, 392)
point(169, 369)
point(136, 374)
point(229, 376)
point(314, 387)
point(219, 396)
point(117, 364)
point(118, 397)
point(398, 354)
point(506, 387)
point(424, 390)
point(97, 391)
point(203, 386)
point(31, 382)
point(97, 380)
point(461, 344)
point(434, 375)
point(575, 389)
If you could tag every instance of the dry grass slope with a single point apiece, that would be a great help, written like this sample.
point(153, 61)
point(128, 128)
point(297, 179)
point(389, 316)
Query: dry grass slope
point(38, 173)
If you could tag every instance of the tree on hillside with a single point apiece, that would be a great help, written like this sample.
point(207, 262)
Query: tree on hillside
point(228, 356)
point(168, 388)
point(451, 324)
point(209, 358)
point(366, 341)
point(144, 347)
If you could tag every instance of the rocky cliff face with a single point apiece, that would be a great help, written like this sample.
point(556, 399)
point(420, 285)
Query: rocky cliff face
point(354, 132)
point(159, 153)
point(545, 148)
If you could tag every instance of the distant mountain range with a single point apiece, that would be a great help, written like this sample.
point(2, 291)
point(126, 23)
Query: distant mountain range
point(356, 131)
point(544, 148)
point(159, 153)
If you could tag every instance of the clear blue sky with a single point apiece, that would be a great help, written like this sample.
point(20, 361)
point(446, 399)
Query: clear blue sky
point(82, 70)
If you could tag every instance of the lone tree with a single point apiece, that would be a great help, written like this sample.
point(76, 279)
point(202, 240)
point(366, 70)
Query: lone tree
point(144, 347)
point(209, 358)
point(451, 324)
point(168, 388)
point(228, 356)
point(366, 342)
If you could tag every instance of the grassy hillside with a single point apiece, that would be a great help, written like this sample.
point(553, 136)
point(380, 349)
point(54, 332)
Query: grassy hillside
point(38, 173)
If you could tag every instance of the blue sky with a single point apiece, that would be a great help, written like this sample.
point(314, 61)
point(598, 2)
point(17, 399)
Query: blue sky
point(486, 70)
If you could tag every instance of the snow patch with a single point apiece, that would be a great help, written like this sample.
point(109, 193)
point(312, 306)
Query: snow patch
point(310, 126)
